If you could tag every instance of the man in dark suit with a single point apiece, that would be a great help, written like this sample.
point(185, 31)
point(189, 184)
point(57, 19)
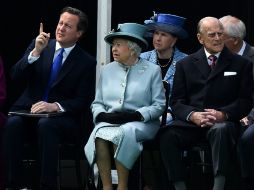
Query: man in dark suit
point(235, 32)
point(209, 98)
point(2, 117)
point(71, 92)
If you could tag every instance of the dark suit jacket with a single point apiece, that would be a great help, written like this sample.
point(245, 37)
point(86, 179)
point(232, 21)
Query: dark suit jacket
point(2, 94)
point(227, 88)
point(74, 87)
point(249, 54)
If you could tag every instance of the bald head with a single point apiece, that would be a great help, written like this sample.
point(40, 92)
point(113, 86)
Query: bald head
point(207, 22)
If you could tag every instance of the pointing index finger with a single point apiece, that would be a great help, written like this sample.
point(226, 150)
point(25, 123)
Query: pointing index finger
point(41, 28)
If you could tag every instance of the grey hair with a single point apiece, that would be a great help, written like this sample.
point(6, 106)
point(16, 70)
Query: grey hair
point(135, 47)
point(233, 26)
point(204, 21)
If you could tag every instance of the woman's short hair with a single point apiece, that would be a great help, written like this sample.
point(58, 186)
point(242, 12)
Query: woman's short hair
point(135, 47)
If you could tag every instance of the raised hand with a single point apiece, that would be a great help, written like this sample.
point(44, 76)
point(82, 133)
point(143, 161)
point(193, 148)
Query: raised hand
point(41, 41)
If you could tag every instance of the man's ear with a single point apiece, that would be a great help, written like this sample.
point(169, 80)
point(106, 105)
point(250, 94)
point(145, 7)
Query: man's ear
point(200, 38)
point(236, 40)
point(79, 34)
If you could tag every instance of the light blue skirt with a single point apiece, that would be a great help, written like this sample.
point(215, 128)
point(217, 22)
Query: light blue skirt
point(112, 134)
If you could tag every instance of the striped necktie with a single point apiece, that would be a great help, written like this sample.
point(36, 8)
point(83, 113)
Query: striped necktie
point(213, 60)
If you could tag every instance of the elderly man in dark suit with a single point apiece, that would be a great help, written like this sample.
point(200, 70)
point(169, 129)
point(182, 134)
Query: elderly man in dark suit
point(71, 91)
point(209, 98)
point(235, 32)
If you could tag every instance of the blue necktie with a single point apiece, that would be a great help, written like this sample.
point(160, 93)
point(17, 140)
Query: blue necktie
point(56, 66)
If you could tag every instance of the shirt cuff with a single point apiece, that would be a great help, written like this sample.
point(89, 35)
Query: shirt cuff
point(60, 107)
point(31, 58)
point(188, 116)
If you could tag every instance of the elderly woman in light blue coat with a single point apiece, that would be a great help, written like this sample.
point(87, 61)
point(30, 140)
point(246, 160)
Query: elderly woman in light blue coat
point(129, 100)
point(166, 29)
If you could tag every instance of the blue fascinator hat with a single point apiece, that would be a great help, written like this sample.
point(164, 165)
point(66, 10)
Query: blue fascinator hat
point(169, 23)
point(130, 31)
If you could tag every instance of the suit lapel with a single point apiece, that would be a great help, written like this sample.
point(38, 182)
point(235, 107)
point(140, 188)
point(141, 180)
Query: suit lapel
point(249, 52)
point(201, 63)
point(223, 61)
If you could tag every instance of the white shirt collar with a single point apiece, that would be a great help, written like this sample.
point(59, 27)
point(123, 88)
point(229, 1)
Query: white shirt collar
point(208, 54)
point(66, 50)
point(242, 49)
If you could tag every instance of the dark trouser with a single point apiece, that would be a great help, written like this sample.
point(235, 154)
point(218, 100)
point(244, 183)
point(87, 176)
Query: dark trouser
point(49, 132)
point(1, 161)
point(174, 140)
point(246, 157)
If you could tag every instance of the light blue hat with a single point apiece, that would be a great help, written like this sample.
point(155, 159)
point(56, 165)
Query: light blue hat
point(130, 31)
point(172, 24)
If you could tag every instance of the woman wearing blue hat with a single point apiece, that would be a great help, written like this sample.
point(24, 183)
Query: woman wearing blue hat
point(167, 29)
point(128, 104)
